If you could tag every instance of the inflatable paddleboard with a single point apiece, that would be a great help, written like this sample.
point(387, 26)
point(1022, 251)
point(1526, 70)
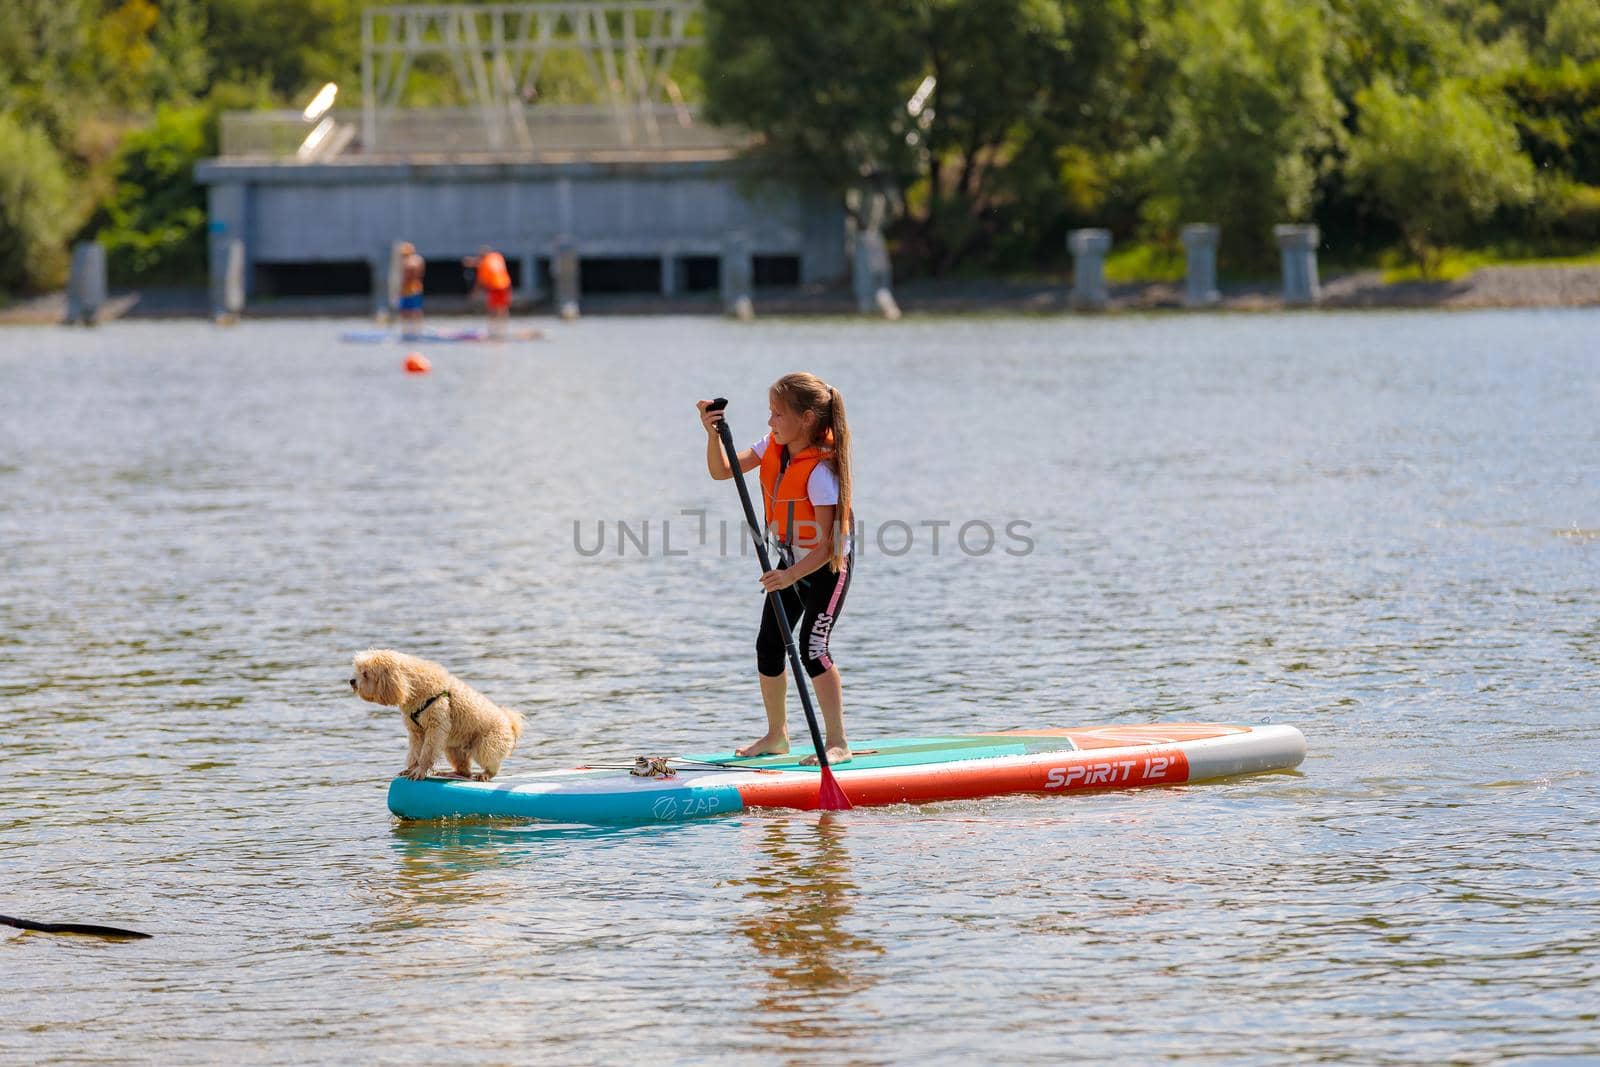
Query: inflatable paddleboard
point(378, 337)
point(895, 770)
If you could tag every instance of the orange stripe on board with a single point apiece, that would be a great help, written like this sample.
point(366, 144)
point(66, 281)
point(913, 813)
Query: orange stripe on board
point(1166, 733)
point(1057, 772)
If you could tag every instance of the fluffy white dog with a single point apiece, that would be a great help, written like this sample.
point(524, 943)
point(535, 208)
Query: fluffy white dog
point(442, 714)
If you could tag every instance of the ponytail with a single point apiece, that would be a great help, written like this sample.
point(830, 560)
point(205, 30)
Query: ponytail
point(841, 463)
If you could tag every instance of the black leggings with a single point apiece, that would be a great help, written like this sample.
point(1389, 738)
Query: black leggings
point(817, 599)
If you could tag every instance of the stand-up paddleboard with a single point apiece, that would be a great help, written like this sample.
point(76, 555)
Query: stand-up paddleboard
point(378, 337)
point(894, 770)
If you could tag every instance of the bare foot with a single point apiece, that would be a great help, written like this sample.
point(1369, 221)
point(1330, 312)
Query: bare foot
point(768, 746)
point(836, 754)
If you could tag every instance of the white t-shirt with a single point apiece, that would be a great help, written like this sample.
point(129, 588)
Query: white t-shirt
point(822, 487)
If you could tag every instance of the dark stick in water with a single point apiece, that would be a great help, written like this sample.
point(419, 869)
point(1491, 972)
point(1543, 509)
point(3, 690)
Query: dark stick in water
point(86, 929)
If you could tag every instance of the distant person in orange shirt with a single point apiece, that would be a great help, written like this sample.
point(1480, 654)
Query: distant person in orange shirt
point(412, 268)
point(495, 280)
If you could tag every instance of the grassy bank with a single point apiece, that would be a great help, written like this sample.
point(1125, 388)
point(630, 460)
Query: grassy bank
point(1148, 263)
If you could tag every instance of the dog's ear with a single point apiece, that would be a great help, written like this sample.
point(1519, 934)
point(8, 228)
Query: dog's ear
point(380, 678)
point(389, 685)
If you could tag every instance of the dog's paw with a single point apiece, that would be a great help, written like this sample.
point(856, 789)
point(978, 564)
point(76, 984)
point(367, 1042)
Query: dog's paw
point(416, 774)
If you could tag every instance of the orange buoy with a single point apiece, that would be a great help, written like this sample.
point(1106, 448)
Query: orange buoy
point(417, 363)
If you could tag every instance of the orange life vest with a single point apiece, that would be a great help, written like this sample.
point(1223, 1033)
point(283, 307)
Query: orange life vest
point(492, 272)
point(791, 516)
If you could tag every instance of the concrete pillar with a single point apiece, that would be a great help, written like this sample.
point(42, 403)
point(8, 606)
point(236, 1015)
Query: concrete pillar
point(227, 205)
point(737, 276)
point(669, 272)
point(233, 279)
point(394, 275)
point(227, 280)
point(380, 265)
point(1088, 248)
point(1297, 247)
point(873, 275)
point(564, 275)
point(530, 294)
point(1200, 258)
point(86, 285)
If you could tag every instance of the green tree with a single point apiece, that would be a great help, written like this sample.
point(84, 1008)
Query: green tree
point(61, 62)
point(832, 88)
point(1520, 31)
point(124, 49)
point(1014, 80)
point(181, 69)
point(1253, 117)
point(1436, 164)
point(1413, 43)
point(1557, 113)
point(824, 83)
point(36, 209)
point(43, 50)
point(296, 45)
point(1572, 30)
point(153, 225)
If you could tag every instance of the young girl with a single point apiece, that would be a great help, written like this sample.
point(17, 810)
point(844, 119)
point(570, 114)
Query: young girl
point(805, 486)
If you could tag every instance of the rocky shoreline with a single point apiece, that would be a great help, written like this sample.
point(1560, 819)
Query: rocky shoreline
point(1489, 287)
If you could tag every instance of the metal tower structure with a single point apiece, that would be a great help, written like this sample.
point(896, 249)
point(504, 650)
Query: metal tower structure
point(497, 53)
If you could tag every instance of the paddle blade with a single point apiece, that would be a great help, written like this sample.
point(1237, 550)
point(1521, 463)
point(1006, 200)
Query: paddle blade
point(831, 797)
point(82, 929)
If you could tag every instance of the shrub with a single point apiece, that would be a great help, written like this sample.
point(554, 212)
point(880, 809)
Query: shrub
point(36, 210)
point(1557, 114)
point(1579, 213)
point(1436, 165)
point(1252, 113)
point(154, 223)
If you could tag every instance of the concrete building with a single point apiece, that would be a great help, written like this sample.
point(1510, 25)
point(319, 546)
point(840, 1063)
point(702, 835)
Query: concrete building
point(650, 199)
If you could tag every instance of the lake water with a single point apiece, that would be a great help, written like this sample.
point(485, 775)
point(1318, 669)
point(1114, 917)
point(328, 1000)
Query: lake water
point(1382, 528)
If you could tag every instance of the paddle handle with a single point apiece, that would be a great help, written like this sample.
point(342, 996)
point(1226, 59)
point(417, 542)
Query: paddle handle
point(775, 597)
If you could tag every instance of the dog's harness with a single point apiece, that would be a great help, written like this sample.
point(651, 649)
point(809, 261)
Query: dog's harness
point(426, 706)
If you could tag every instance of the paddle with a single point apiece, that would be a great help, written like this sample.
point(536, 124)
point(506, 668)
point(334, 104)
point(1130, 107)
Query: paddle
point(85, 929)
point(830, 797)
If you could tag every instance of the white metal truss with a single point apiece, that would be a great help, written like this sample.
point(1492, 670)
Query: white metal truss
point(497, 52)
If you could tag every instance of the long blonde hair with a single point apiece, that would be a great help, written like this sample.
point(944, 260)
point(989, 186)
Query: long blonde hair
point(801, 392)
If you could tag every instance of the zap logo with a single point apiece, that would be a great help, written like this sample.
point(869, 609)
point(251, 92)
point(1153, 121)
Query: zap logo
point(671, 808)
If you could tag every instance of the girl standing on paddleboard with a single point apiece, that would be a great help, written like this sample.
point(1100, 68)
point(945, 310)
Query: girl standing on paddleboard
point(805, 486)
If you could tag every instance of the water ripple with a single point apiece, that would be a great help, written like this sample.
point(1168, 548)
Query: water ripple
point(1379, 527)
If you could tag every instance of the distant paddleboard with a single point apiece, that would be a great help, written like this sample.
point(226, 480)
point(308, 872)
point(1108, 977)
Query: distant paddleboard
point(896, 770)
point(379, 337)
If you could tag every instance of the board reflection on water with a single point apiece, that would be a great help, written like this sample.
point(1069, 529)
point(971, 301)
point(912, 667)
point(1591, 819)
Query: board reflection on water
point(797, 926)
point(803, 892)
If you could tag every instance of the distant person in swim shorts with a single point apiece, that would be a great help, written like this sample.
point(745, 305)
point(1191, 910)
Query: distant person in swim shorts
point(493, 277)
point(412, 268)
